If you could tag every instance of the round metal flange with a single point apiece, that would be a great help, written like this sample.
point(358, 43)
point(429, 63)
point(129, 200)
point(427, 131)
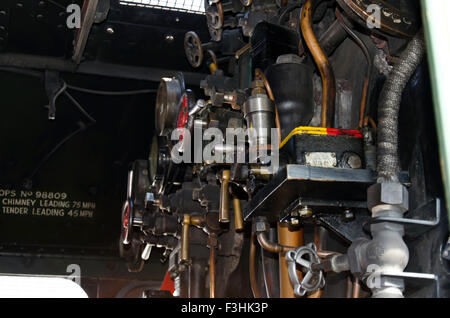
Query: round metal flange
point(170, 91)
point(304, 256)
point(193, 49)
point(393, 17)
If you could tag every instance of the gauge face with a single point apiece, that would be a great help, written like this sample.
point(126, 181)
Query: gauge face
point(390, 16)
point(167, 100)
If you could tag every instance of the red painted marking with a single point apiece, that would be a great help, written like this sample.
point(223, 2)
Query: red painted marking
point(344, 132)
point(168, 283)
point(183, 115)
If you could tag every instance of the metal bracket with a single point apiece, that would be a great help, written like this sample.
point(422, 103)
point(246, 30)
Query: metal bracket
point(413, 227)
point(416, 280)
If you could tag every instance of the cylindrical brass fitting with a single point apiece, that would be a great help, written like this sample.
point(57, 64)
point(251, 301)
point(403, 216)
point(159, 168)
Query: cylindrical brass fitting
point(184, 255)
point(224, 208)
point(286, 237)
point(238, 218)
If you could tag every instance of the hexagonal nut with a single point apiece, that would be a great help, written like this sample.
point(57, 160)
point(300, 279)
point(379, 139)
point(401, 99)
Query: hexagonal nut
point(260, 224)
point(392, 193)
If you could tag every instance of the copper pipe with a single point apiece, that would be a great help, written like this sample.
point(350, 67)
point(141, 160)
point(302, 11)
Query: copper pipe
point(356, 288)
point(260, 74)
point(370, 120)
point(224, 205)
point(212, 272)
point(365, 50)
point(197, 221)
point(270, 246)
point(238, 218)
point(321, 59)
point(286, 237)
point(184, 254)
point(242, 50)
point(349, 287)
point(252, 269)
point(326, 254)
point(220, 12)
point(362, 107)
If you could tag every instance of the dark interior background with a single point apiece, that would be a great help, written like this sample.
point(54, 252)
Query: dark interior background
point(92, 165)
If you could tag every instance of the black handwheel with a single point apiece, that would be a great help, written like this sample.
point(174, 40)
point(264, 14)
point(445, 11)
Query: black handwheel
point(193, 49)
point(214, 15)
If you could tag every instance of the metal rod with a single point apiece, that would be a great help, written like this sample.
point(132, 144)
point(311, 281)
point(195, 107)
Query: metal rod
point(365, 50)
point(238, 218)
point(224, 208)
point(212, 272)
point(252, 269)
point(184, 253)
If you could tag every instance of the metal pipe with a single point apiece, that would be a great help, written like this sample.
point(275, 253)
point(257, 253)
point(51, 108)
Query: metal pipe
point(224, 207)
point(349, 289)
point(365, 50)
point(238, 218)
point(184, 253)
point(321, 59)
point(356, 288)
point(212, 272)
point(252, 268)
point(260, 74)
point(270, 246)
point(286, 237)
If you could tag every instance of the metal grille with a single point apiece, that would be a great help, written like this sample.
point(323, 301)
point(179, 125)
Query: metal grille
point(191, 6)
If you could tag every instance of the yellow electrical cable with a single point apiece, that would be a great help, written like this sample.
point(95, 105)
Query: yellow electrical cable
point(304, 130)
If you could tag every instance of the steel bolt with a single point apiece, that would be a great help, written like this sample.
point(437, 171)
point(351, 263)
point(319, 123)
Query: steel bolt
point(348, 215)
point(305, 212)
point(354, 161)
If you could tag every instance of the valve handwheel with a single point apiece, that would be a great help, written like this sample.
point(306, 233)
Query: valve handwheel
point(305, 257)
point(214, 16)
point(193, 49)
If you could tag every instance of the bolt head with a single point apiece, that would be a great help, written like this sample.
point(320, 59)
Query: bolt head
point(388, 193)
point(354, 162)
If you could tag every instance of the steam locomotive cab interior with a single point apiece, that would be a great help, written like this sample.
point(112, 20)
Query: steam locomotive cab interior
point(224, 148)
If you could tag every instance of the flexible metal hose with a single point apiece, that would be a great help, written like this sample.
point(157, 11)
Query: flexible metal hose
point(389, 107)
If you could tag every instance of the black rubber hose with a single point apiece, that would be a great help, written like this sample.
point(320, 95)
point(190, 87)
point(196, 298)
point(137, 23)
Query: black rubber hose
point(389, 107)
